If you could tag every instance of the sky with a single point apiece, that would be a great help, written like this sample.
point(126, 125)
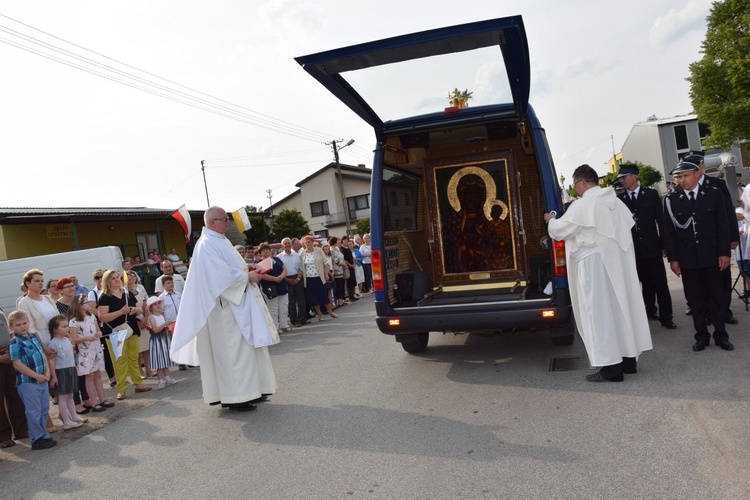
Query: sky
point(259, 123)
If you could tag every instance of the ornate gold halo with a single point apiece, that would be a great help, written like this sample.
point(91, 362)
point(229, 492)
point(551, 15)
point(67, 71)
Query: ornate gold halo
point(490, 188)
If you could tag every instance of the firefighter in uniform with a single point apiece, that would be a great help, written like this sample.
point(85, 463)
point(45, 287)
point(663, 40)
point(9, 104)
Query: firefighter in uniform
point(696, 236)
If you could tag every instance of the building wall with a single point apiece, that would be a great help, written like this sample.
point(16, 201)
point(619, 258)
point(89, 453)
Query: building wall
point(28, 240)
point(654, 143)
point(643, 145)
point(325, 187)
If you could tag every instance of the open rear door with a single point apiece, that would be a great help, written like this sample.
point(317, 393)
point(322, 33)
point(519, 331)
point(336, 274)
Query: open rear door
point(506, 33)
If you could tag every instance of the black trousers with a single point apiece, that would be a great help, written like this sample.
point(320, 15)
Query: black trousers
point(297, 303)
point(615, 372)
point(13, 421)
point(726, 283)
point(705, 294)
point(653, 278)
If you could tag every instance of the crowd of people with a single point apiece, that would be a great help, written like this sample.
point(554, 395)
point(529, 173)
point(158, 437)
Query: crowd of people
point(58, 343)
point(63, 342)
point(610, 232)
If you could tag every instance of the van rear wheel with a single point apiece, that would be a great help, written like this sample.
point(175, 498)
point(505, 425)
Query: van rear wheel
point(416, 342)
point(564, 335)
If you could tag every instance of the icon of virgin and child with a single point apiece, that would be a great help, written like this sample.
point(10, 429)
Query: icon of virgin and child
point(475, 221)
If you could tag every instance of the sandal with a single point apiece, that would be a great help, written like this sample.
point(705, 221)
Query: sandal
point(7, 444)
point(85, 410)
point(120, 396)
point(107, 403)
point(98, 408)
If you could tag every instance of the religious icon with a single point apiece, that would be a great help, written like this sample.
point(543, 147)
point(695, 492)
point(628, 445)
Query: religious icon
point(475, 219)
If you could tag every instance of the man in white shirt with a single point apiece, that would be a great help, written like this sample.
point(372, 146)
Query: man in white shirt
point(297, 303)
point(168, 269)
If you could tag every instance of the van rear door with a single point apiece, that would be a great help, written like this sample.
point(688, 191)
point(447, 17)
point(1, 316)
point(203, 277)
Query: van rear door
point(506, 33)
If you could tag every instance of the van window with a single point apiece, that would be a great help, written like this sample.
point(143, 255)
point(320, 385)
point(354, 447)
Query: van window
point(399, 186)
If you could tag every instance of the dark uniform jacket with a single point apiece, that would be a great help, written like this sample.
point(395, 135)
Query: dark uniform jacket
point(700, 244)
point(734, 231)
point(648, 216)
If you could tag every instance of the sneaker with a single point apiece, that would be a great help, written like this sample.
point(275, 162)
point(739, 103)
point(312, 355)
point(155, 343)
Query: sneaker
point(170, 381)
point(162, 383)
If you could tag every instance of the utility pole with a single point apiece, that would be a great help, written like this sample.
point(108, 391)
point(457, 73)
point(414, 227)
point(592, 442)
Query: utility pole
point(203, 169)
point(341, 185)
point(270, 210)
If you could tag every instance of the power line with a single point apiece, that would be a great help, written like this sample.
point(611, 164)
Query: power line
point(247, 116)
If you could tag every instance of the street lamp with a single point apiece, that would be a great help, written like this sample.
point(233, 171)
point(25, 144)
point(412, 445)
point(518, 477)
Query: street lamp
point(341, 184)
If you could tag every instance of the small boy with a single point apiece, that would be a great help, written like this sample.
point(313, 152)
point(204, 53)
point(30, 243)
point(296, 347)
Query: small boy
point(32, 378)
point(12, 421)
point(170, 301)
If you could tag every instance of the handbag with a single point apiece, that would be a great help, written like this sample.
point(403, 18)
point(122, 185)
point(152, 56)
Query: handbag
point(269, 289)
point(347, 273)
point(123, 327)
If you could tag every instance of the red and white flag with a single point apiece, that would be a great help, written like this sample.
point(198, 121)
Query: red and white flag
point(183, 217)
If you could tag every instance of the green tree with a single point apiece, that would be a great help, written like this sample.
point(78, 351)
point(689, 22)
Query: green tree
point(648, 176)
point(362, 227)
point(609, 179)
point(259, 232)
point(720, 81)
point(289, 223)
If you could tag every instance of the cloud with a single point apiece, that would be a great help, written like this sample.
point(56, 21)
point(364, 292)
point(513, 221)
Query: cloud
point(676, 23)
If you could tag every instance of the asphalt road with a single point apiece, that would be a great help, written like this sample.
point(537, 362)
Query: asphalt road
point(472, 417)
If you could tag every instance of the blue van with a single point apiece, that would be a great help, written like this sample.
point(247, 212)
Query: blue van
point(458, 192)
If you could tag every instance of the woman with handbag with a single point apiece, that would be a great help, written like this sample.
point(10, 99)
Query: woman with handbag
point(275, 290)
point(315, 275)
point(118, 310)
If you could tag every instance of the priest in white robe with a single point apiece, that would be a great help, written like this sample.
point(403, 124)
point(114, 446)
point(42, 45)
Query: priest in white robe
point(223, 324)
point(604, 287)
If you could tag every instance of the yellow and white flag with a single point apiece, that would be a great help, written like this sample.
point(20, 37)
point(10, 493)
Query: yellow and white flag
point(241, 219)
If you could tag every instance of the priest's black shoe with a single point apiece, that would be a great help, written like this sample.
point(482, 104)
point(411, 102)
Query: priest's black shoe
point(259, 400)
point(700, 345)
point(654, 315)
point(731, 321)
point(669, 325)
point(598, 377)
point(242, 407)
point(726, 345)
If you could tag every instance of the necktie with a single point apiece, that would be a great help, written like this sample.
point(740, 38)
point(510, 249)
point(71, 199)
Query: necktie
point(692, 200)
point(632, 195)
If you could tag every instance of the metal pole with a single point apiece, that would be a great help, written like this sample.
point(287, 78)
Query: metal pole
point(203, 169)
point(341, 189)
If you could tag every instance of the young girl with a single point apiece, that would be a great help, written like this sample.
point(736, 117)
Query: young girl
point(65, 378)
point(85, 335)
point(159, 343)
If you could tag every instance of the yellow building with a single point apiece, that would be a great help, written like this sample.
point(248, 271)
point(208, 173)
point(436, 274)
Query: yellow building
point(613, 165)
point(26, 232)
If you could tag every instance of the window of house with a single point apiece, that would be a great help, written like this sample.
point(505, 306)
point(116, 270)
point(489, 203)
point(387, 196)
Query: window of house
point(681, 137)
point(319, 208)
point(359, 202)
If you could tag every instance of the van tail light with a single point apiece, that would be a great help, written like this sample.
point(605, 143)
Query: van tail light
point(377, 270)
point(558, 258)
